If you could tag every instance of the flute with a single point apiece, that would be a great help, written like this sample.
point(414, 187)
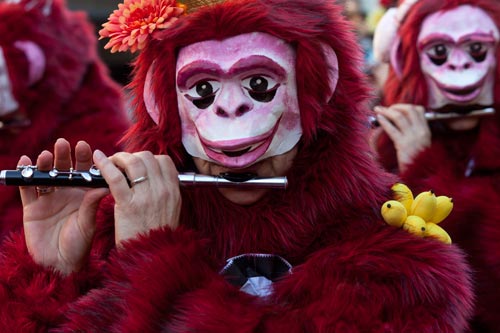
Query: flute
point(31, 176)
point(431, 116)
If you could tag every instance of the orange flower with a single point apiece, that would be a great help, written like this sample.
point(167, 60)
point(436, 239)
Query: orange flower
point(130, 26)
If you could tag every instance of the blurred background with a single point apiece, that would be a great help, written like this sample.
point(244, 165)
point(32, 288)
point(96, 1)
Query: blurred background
point(98, 12)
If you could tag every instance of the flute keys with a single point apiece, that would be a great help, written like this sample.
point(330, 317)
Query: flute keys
point(86, 176)
point(94, 171)
point(27, 172)
point(54, 173)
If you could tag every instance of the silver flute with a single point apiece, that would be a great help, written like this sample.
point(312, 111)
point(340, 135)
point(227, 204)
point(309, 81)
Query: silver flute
point(30, 176)
point(431, 116)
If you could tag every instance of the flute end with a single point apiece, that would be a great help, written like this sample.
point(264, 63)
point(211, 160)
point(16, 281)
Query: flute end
point(3, 176)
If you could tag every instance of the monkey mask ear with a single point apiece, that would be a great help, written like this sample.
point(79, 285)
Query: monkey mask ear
point(149, 98)
point(333, 69)
point(8, 102)
point(396, 58)
point(36, 60)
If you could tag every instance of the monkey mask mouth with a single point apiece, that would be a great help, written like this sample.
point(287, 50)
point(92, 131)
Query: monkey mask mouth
point(462, 94)
point(467, 93)
point(241, 152)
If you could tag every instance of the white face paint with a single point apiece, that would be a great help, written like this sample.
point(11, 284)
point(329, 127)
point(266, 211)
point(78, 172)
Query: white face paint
point(237, 99)
point(8, 103)
point(457, 56)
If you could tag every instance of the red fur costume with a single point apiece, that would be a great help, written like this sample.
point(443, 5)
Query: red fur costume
point(73, 96)
point(352, 272)
point(465, 167)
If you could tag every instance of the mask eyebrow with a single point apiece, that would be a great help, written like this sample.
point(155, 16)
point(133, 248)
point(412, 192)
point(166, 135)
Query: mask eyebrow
point(196, 68)
point(256, 62)
point(475, 36)
point(478, 37)
point(432, 39)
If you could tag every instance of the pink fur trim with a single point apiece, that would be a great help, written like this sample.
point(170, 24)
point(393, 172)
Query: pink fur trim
point(384, 36)
point(385, 39)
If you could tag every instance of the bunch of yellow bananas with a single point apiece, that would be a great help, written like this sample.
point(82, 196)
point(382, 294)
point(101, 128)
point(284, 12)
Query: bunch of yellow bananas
point(419, 215)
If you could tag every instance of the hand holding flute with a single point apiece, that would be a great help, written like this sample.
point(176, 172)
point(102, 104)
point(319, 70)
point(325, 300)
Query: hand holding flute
point(60, 198)
point(59, 226)
point(408, 128)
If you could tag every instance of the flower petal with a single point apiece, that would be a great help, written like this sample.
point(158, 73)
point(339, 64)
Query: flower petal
point(130, 25)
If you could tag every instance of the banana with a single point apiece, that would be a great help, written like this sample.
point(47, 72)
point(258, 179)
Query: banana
point(415, 225)
point(394, 213)
point(424, 205)
point(435, 231)
point(403, 194)
point(444, 205)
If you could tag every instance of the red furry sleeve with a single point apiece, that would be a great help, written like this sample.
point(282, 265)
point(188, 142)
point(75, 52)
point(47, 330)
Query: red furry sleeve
point(32, 298)
point(388, 282)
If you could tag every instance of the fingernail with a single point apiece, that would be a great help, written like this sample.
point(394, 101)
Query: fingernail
point(98, 155)
point(377, 108)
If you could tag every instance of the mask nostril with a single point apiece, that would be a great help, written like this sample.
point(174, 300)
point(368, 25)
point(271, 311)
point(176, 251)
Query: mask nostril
point(242, 110)
point(221, 113)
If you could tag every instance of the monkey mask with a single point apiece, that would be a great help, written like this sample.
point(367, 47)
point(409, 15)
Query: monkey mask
point(457, 56)
point(238, 99)
point(456, 49)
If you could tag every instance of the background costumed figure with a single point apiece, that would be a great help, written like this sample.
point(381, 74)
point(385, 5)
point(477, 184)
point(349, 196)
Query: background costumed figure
point(52, 84)
point(267, 88)
point(444, 57)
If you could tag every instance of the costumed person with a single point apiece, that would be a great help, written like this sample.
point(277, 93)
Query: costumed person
point(238, 90)
point(444, 58)
point(52, 84)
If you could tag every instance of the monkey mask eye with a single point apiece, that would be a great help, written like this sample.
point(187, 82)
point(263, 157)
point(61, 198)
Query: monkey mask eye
point(478, 51)
point(438, 54)
point(202, 94)
point(258, 87)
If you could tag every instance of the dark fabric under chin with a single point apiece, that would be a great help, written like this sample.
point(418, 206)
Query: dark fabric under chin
point(256, 272)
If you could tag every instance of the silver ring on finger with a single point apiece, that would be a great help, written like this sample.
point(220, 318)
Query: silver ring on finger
point(138, 181)
point(43, 190)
